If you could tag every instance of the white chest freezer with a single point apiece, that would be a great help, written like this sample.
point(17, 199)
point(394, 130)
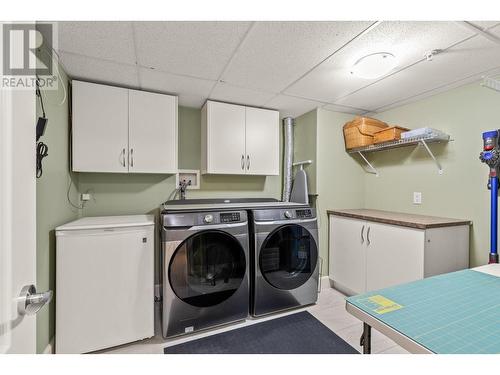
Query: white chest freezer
point(104, 282)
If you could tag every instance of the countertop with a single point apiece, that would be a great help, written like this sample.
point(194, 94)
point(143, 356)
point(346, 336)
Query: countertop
point(401, 219)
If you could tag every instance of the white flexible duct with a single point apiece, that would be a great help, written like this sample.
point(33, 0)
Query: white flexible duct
point(288, 158)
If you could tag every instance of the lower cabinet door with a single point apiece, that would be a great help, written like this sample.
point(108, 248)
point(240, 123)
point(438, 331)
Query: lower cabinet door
point(394, 255)
point(347, 253)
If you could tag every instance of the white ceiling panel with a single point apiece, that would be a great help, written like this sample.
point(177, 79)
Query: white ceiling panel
point(240, 95)
point(200, 49)
point(467, 59)
point(155, 80)
point(105, 40)
point(292, 106)
point(195, 101)
point(484, 24)
point(408, 41)
point(344, 109)
point(95, 70)
point(274, 54)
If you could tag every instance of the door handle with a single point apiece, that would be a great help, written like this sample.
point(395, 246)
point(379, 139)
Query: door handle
point(248, 162)
point(123, 157)
point(30, 302)
point(242, 162)
point(131, 157)
point(368, 235)
point(362, 235)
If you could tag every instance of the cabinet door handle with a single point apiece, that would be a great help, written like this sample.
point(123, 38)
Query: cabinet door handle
point(362, 234)
point(243, 162)
point(248, 162)
point(368, 235)
point(123, 158)
point(131, 157)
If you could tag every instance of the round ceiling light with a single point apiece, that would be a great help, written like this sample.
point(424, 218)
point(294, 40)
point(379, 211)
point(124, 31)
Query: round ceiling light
point(374, 65)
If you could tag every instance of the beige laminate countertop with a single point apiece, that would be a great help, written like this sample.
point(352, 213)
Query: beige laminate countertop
point(399, 218)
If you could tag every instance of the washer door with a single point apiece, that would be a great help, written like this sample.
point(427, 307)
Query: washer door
point(207, 268)
point(288, 257)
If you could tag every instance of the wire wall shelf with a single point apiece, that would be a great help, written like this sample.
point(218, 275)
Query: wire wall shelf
point(416, 141)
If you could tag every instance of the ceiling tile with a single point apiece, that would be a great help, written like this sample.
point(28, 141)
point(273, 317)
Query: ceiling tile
point(105, 40)
point(274, 54)
point(292, 106)
point(467, 59)
point(200, 49)
point(86, 68)
point(408, 41)
point(485, 24)
point(240, 95)
point(195, 101)
point(343, 109)
point(173, 83)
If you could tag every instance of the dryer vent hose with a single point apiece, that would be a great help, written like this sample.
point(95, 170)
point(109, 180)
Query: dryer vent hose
point(288, 158)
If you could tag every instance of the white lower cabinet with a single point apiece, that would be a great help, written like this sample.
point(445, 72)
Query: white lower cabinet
point(366, 255)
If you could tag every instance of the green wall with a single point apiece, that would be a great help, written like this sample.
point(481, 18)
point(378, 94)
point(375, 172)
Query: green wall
point(461, 191)
point(52, 207)
point(334, 177)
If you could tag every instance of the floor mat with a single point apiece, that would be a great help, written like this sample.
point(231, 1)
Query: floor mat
point(299, 333)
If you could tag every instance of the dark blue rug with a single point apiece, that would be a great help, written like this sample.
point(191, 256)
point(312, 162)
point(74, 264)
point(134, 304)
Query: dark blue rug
point(299, 333)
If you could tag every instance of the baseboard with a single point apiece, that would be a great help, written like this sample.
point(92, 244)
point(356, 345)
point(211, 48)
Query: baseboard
point(325, 282)
point(49, 349)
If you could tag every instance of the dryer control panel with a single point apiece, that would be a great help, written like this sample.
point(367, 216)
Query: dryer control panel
point(304, 214)
point(229, 217)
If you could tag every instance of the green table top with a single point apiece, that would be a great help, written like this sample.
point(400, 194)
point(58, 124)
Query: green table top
point(458, 312)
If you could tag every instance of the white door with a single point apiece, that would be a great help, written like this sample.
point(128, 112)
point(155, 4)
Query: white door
point(347, 253)
point(17, 218)
point(99, 127)
point(225, 138)
point(394, 255)
point(262, 142)
point(152, 132)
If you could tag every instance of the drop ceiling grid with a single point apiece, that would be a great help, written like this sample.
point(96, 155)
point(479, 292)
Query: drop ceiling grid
point(407, 40)
point(88, 52)
point(468, 59)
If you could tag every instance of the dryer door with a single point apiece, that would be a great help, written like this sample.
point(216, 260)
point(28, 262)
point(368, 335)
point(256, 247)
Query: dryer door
point(288, 257)
point(207, 268)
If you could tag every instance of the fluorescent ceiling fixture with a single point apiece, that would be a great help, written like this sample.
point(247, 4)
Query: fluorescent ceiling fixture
point(374, 65)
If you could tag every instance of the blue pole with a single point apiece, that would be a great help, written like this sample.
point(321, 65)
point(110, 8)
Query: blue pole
point(494, 219)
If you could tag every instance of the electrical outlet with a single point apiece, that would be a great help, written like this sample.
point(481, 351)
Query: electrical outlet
point(417, 197)
point(85, 197)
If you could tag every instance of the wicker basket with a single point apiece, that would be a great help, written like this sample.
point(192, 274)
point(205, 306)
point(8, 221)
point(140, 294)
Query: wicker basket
point(389, 134)
point(359, 132)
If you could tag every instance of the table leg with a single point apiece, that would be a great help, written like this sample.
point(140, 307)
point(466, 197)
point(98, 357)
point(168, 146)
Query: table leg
point(366, 339)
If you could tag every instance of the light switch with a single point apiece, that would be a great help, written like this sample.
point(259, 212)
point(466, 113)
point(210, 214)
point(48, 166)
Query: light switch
point(417, 197)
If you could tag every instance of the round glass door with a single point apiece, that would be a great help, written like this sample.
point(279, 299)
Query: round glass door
point(288, 257)
point(207, 268)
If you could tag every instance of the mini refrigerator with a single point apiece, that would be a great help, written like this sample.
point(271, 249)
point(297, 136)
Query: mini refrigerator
point(104, 282)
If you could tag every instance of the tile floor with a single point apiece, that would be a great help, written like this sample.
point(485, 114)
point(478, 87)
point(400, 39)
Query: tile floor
point(330, 310)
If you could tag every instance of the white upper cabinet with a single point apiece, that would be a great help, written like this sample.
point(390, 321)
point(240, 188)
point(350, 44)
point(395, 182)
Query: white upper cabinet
point(239, 140)
point(118, 130)
point(152, 130)
point(99, 128)
point(262, 141)
point(225, 138)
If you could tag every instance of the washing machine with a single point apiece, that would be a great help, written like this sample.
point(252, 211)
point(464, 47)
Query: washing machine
point(205, 262)
point(285, 269)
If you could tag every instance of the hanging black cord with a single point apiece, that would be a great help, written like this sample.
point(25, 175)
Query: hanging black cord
point(41, 151)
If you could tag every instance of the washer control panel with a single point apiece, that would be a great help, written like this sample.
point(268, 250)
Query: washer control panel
point(230, 217)
point(303, 214)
